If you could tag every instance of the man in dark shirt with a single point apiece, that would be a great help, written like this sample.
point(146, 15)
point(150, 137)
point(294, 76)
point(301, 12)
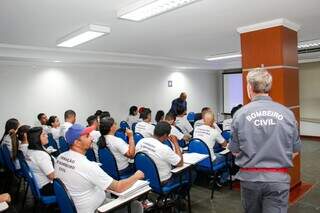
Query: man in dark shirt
point(179, 103)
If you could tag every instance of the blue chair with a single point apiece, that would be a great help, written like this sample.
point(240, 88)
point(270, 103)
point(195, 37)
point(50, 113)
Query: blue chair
point(137, 137)
point(134, 126)
point(90, 155)
point(124, 125)
point(226, 134)
point(198, 146)
point(168, 143)
point(145, 164)
point(40, 199)
point(191, 116)
point(109, 164)
point(64, 200)
point(63, 145)
point(52, 142)
point(7, 158)
point(120, 133)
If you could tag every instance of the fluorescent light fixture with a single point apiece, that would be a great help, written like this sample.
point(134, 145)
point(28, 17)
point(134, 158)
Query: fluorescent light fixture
point(224, 56)
point(144, 9)
point(309, 44)
point(83, 35)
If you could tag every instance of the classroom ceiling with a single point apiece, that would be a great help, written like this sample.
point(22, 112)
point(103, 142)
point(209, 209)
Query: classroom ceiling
point(205, 28)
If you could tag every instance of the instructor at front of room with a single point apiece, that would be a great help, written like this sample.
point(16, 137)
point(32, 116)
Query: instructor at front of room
point(180, 103)
point(265, 138)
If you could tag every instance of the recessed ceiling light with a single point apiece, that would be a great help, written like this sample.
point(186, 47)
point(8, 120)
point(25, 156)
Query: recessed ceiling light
point(56, 61)
point(144, 9)
point(224, 56)
point(83, 35)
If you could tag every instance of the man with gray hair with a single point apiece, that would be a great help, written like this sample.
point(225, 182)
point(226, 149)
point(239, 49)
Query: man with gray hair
point(265, 138)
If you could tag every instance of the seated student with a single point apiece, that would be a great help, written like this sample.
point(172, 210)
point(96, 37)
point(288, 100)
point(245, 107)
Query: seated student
point(227, 122)
point(40, 162)
point(133, 116)
point(201, 122)
point(119, 148)
point(85, 181)
point(95, 134)
point(159, 116)
point(163, 156)
point(208, 134)
point(98, 114)
point(55, 129)
point(70, 119)
point(105, 114)
point(170, 118)
point(43, 119)
point(182, 122)
point(23, 140)
point(9, 138)
point(144, 127)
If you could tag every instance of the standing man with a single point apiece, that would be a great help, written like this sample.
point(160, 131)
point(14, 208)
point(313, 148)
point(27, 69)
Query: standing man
point(265, 139)
point(179, 103)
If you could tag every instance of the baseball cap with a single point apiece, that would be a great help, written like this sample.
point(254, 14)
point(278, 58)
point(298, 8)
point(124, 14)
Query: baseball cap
point(76, 131)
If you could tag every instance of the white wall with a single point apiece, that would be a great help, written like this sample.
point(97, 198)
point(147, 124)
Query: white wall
point(27, 89)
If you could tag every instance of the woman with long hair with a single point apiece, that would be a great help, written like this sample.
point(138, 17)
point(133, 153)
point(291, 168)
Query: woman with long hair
point(39, 160)
point(9, 138)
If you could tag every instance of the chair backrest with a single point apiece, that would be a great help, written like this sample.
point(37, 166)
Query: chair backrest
point(31, 179)
point(120, 133)
point(137, 137)
point(52, 142)
point(226, 134)
point(124, 125)
point(90, 155)
point(198, 146)
point(134, 126)
point(64, 200)
point(109, 164)
point(191, 116)
point(7, 158)
point(145, 164)
point(63, 145)
point(168, 143)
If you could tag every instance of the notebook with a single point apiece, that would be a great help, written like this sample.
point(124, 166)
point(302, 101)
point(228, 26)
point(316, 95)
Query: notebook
point(193, 158)
point(3, 206)
point(140, 184)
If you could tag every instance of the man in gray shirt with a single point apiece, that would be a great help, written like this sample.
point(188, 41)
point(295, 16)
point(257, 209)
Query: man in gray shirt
point(265, 138)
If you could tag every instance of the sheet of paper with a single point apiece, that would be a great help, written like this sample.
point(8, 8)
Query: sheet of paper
point(134, 188)
point(193, 158)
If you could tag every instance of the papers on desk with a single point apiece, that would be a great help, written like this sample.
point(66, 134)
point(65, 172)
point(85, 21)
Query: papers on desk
point(226, 151)
point(137, 186)
point(50, 149)
point(3, 206)
point(193, 158)
point(180, 168)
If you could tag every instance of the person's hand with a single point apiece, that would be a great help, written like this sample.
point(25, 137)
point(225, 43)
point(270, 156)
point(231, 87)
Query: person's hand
point(173, 139)
point(5, 198)
point(139, 174)
point(129, 132)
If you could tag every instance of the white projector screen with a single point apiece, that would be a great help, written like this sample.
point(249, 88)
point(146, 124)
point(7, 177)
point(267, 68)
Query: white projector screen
point(232, 91)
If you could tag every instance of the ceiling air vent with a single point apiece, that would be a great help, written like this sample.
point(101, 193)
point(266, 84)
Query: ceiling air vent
point(309, 46)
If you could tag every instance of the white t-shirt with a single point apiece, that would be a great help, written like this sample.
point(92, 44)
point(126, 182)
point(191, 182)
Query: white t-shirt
point(184, 124)
point(65, 127)
point(95, 138)
point(227, 124)
point(163, 156)
point(46, 128)
point(85, 180)
point(132, 119)
point(118, 147)
point(201, 122)
point(41, 165)
point(208, 135)
point(174, 131)
point(145, 129)
point(23, 147)
point(56, 133)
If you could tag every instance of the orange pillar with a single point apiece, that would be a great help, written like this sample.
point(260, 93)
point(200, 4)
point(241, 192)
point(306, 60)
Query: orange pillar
point(273, 45)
